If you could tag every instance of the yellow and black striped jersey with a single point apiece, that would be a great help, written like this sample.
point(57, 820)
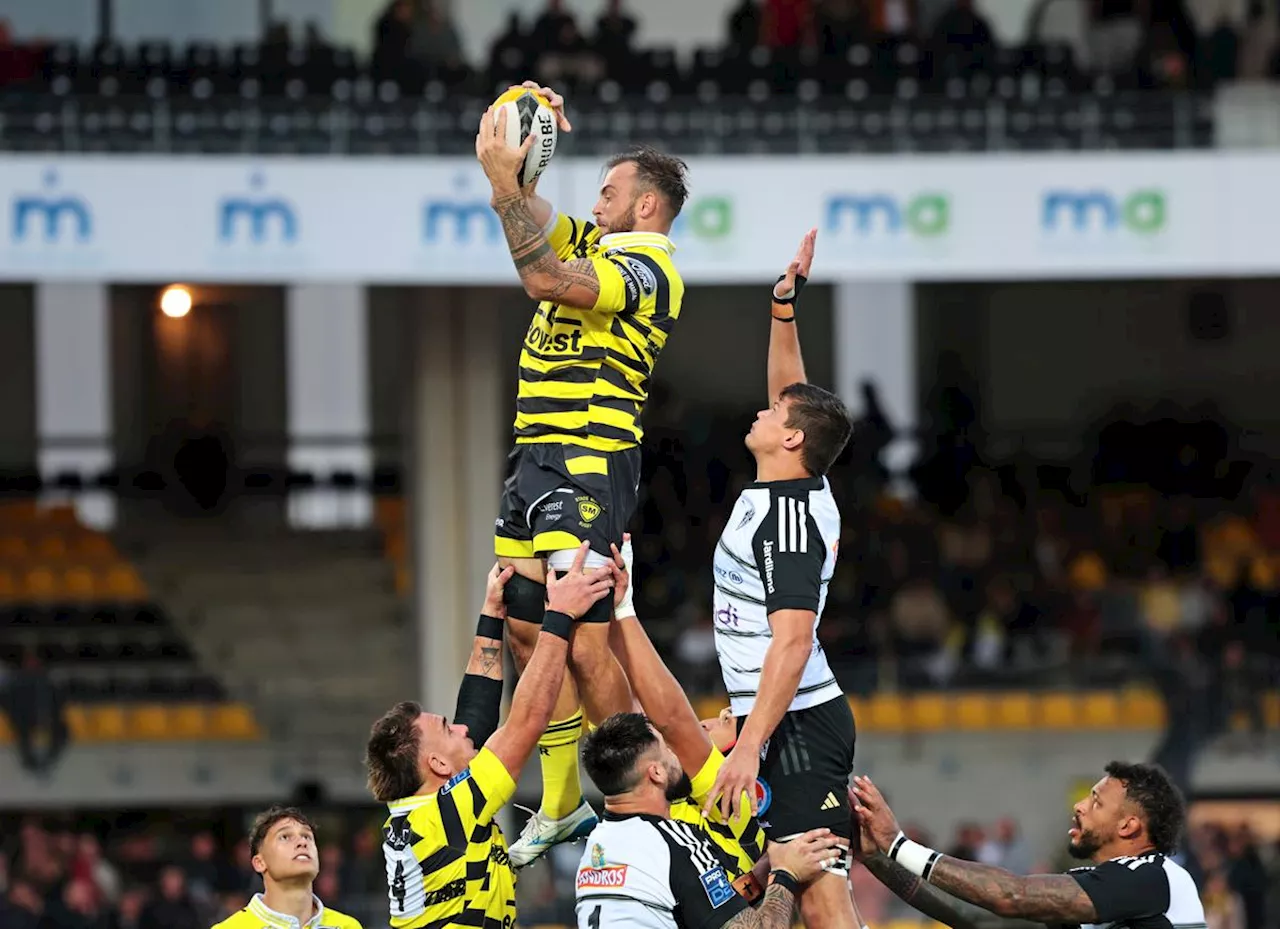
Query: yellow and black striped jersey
point(257, 915)
point(741, 838)
point(584, 374)
point(446, 858)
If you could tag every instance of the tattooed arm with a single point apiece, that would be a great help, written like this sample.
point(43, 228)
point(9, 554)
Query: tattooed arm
point(480, 694)
point(774, 912)
point(929, 900)
point(1047, 898)
point(544, 276)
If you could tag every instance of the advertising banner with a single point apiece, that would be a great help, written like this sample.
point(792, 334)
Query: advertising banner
point(428, 221)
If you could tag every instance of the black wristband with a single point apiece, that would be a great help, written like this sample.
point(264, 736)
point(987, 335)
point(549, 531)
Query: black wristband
point(489, 627)
point(791, 301)
point(557, 624)
point(785, 879)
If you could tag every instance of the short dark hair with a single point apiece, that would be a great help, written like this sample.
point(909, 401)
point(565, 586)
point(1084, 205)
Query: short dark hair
point(655, 170)
point(611, 752)
point(1161, 802)
point(263, 822)
point(825, 422)
point(391, 757)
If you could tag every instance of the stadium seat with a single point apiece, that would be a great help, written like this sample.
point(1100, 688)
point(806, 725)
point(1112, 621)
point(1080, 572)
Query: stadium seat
point(79, 584)
point(233, 721)
point(1058, 711)
point(973, 712)
point(1142, 709)
point(1099, 711)
point(886, 712)
point(928, 712)
point(40, 584)
point(122, 585)
point(1014, 711)
point(148, 722)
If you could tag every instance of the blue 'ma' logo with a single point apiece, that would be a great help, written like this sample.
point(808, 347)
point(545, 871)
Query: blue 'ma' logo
point(54, 213)
point(461, 219)
point(1143, 212)
point(924, 215)
point(257, 216)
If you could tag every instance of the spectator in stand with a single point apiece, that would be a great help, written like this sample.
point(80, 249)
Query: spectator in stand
point(842, 24)
point(392, 34)
point(509, 52)
point(133, 902)
point(89, 865)
point(1115, 34)
point(1006, 849)
point(964, 32)
point(436, 45)
point(239, 877)
point(173, 907)
point(551, 29)
point(897, 18)
point(744, 25)
point(1223, 908)
point(1220, 51)
point(615, 32)
point(363, 874)
point(968, 842)
point(77, 908)
point(202, 867)
point(787, 24)
point(23, 908)
point(36, 713)
point(1259, 41)
point(1247, 875)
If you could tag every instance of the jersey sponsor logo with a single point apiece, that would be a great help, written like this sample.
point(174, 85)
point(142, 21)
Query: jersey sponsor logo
point(830, 803)
point(749, 515)
point(733, 577)
point(629, 279)
point(450, 891)
point(644, 274)
point(588, 510)
point(399, 834)
point(597, 855)
point(456, 780)
point(549, 343)
point(716, 883)
point(609, 876)
point(768, 566)
point(727, 616)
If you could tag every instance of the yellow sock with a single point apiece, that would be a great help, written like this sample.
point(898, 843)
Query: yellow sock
point(558, 754)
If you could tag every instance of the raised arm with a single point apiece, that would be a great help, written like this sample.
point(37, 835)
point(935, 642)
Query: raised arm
point(480, 694)
point(786, 366)
point(568, 598)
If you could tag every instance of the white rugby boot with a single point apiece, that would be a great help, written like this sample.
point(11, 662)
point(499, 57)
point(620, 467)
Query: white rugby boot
point(541, 833)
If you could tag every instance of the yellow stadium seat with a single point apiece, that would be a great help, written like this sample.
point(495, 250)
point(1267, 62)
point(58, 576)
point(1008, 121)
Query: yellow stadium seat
point(928, 712)
point(105, 724)
point(886, 713)
point(1014, 711)
point(148, 723)
point(6, 733)
point(9, 586)
point(1100, 710)
point(390, 513)
point(123, 585)
point(708, 707)
point(14, 548)
point(62, 515)
point(79, 584)
point(858, 707)
point(51, 548)
point(77, 722)
point(18, 513)
point(233, 721)
point(403, 579)
point(1059, 711)
point(1271, 710)
point(1142, 709)
point(973, 711)
point(188, 721)
point(40, 584)
point(95, 547)
point(397, 547)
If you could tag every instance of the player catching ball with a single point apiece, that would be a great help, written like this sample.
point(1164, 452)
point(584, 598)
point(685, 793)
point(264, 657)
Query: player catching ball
point(608, 297)
point(772, 566)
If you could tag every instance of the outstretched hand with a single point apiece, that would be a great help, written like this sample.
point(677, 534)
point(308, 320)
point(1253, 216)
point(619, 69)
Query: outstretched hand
point(501, 162)
point(874, 813)
point(576, 591)
point(799, 267)
point(494, 605)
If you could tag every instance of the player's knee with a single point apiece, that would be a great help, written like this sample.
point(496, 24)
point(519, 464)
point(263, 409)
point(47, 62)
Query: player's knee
point(525, 600)
point(590, 653)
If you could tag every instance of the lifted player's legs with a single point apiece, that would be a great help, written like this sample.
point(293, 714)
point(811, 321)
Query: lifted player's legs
point(564, 814)
point(827, 903)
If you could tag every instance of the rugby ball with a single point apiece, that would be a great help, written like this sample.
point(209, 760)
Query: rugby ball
point(529, 114)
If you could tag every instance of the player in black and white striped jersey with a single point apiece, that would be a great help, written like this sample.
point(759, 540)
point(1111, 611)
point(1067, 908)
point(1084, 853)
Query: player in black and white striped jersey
point(775, 558)
point(645, 870)
point(1127, 827)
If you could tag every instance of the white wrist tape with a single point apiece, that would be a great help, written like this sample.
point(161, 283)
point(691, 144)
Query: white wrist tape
point(626, 609)
point(916, 858)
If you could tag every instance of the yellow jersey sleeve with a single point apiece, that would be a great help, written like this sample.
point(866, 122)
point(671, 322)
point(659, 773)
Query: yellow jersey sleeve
point(568, 236)
point(742, 825)
point(635, 282)
point(492, 786)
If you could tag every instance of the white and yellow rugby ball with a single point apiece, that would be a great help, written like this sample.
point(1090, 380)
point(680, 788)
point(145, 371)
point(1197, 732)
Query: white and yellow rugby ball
point(528, 114)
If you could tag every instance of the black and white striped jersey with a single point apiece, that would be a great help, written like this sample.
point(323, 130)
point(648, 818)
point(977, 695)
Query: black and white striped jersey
point(777, 552)
point(1142, 892)
point(645, 872)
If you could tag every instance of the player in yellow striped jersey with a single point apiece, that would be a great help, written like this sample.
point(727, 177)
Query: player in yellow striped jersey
point(446, 858)
point(609, 296)
point(282, 842)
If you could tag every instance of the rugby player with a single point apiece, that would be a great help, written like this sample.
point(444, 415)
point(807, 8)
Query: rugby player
point(1127, 827)
point(772, 566)
point(609, 296)
point(282, 842)
point(447, 862)
point(644, 869)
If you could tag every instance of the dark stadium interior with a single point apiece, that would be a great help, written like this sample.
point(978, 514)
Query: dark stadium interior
point(1109, 576)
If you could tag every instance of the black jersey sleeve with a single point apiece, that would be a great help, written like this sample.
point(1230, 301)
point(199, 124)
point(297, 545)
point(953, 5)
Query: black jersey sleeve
point(790, 552)
point(704, 894)
point(1126, 888)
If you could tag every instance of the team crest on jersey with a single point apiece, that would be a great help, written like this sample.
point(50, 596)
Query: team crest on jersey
point(597, 856)
point(716, 883)
point(588, 510)
point(764, 796)
point(456, 780)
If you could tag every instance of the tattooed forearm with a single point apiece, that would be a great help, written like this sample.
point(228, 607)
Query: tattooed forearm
point(774, 912)
point(915, 892)
point(578, 273)
point(1057, 898)
point(489, 660)
point(486, 658)
point(529, 247)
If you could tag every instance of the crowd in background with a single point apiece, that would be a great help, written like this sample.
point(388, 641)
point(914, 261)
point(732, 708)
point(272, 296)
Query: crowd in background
point(189, 872)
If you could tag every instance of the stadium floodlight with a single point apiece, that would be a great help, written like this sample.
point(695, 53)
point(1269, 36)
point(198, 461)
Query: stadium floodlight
point(175, 302)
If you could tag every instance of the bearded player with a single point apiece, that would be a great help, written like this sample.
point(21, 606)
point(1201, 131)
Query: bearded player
point(608, 297)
